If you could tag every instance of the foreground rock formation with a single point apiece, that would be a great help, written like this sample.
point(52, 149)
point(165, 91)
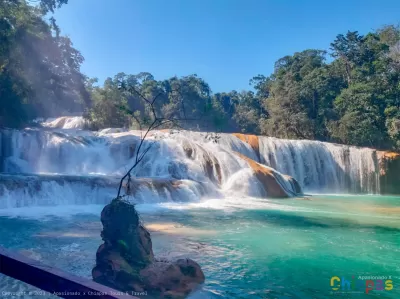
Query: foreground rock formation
point(126, 261)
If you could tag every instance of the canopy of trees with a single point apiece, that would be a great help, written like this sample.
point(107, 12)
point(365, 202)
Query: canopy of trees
point(39, 69)
point(349, 94)
point(355, 99)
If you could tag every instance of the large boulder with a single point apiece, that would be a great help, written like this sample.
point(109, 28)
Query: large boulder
point(125, 261)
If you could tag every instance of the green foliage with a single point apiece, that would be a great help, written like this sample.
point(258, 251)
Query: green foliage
point(123, 102)
point(353, 99)
point(39, 69)
point(50, 5)
point(248, 110)
point(361, 122)
point(109, 104)
point(296, 90)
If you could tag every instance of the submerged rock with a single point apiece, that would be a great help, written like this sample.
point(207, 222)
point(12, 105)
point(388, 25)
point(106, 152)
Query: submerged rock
point(126, 260)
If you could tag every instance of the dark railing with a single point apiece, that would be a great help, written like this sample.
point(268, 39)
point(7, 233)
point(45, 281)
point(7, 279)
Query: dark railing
point(53, 280)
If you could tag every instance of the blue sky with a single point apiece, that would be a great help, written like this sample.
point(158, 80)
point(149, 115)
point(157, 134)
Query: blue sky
point(226, 42)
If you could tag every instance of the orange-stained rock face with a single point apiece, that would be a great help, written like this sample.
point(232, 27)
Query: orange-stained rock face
point(384, 157)
point(252, 140)
point(389, 171)
point(267, 178)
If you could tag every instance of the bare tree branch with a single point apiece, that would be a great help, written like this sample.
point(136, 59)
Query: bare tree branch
point(156, 123)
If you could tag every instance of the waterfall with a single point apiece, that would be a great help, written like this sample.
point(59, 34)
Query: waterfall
point(78, 165)
point(321, 166)
point(26, 190)
point(72, 166)
point(65, 122)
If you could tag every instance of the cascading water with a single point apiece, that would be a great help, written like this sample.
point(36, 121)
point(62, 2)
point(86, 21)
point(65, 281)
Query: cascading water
point(61, 178)
point(66, 122)
point(323, 167)
point(204, 164)
point(179, 166)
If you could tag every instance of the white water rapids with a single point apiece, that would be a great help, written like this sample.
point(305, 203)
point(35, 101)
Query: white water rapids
point(68, 165)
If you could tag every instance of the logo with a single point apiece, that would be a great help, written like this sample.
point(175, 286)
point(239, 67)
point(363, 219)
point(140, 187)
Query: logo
point(358, 284)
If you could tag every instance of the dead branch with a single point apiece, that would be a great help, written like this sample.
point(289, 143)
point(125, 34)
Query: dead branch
point(156, 123)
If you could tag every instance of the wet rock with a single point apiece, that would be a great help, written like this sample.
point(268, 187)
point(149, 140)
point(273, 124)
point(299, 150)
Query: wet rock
point(122, 231)
point(295, 184)
point(173, 279)
point(126, 261)
point(210, 163)
point(389, 169)
point(270, 180)
point(252, 140)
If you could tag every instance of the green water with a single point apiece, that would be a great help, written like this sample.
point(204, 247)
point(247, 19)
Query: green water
point(247, 248)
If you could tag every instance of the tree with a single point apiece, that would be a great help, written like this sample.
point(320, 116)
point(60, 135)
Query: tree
point(347, 49)
point(190, 95)
point(50, 5)
point(361, 122)
point(262, 85)
point(106, 102)
point(248, 111)
point(39, 68)
point(293, 98)
point(319, 89)
point(353, 99)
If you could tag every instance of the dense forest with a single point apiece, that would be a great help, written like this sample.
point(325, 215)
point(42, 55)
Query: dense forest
point(349, 93)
